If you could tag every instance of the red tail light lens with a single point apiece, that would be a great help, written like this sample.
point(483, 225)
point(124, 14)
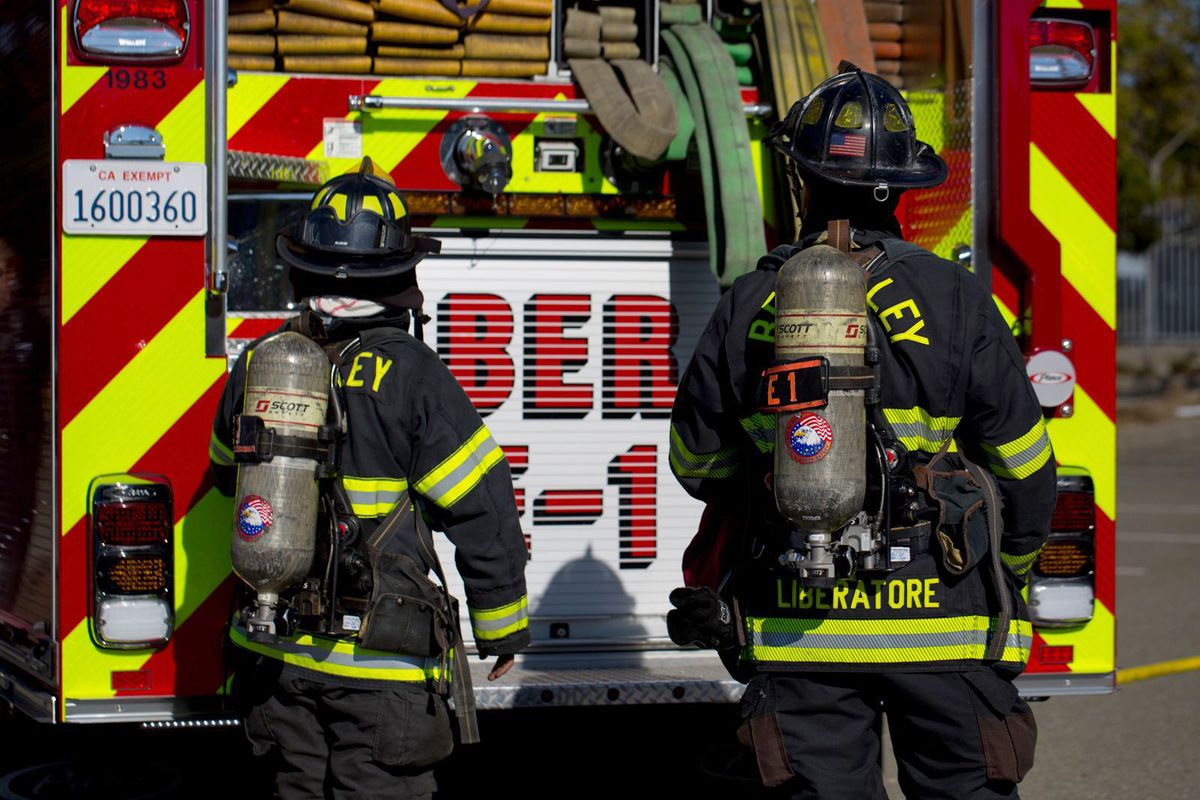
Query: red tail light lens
point(132, 30)
point(1062, 53)
point(132, 561)
point(1075, 509)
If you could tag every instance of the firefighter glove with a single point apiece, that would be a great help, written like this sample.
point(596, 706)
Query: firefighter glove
point(701, 618)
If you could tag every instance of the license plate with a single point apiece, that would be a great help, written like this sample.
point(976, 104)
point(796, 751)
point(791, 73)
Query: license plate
point(134, 197)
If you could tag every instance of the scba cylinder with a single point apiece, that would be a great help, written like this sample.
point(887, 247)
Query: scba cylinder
point(275, 519)
point(820, 453)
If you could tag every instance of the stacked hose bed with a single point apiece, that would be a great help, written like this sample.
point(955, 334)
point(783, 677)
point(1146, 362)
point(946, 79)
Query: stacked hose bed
point(508, 39)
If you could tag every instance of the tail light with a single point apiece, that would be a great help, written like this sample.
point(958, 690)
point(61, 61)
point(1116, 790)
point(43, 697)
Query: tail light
point(1062, 591)
point(131, 561)
point(132, 30)
point(1062, 53)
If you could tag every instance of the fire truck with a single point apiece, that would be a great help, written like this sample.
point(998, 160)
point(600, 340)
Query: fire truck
point(148, 167)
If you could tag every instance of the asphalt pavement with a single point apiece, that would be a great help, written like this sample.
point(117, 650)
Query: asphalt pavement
point(1137, 743)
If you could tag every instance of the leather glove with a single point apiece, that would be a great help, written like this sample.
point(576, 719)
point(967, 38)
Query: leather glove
point(700, 618)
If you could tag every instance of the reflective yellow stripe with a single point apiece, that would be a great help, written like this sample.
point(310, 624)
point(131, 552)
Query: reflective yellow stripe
point(1020, 564)
point(917, 429)
point(374, 497)
point(686, 464)
point(880, 641)
point(76, 79)
point(761, 430)
point(218, 453)
point(496, 623)
point(459, 473)
point(342, 658)
point(1021, 457)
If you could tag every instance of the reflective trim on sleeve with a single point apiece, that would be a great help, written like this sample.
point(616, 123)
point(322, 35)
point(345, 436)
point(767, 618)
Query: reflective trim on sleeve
point(496, 623)
point(881, 641)
point(374, 497)
point(345, 659)
point(218, 453)
point(761, 430)
point(459, 473)
point(1021, 457)
point(918, 430)
point(1020, 564)
point(686, 464)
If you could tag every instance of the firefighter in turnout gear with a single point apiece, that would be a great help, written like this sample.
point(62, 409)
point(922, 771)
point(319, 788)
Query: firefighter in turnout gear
point(349, 699)
point(936, 637)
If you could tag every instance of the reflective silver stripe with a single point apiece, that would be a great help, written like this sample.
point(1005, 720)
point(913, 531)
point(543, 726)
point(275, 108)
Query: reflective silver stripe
point(1013, 463)
point(501, 623)
point(475, 461)
point(685, 463)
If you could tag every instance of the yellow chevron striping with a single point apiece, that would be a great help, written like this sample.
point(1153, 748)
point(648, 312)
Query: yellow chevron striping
point(89, 262)
point(1064, 4)
point(389, 136)
point(201, 564)
point(1103, 106)
point(1093, 643)
point(182, 128)
point(1088, 439)
point(1085, 241)
point(247, 98)
point(76, 80)
point(137, 407)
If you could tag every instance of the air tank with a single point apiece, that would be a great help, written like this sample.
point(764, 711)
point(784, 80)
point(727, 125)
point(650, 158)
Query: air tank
point(275, 517)
point(820, 453)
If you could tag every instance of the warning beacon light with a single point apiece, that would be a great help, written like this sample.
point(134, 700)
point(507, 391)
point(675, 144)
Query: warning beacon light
point(143, 31)
point(131, 561)
point(1062, 53)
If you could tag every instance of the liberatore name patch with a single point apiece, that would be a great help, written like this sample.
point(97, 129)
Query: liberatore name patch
point(809, 438)
point(254, 516)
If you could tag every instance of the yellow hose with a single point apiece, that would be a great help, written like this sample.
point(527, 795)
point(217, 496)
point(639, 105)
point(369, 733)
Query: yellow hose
point(507, 48)
point(321, 45)
point(503, 69)
point(529, 8)
point(487, 22)
point(401, 51)
point(417, 66)
point(251, 44)
point(1158, 670)
point(256, 63)
point(430, 11)
point(291, 22)
point(353, 10)
point(254, 22)
point(331, 64)
point(409, 33)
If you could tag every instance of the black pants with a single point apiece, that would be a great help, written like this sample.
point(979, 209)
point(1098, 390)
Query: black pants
point(329, 741)
point(956, 736)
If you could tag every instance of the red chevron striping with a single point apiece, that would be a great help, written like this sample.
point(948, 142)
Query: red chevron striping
point(130, 309)
point(72, 578)
point(422, 166)
point(197, 646)
point(289, 124)
point(1095, 343)
point(1003, 288)
point(182, 454)
point(101, 107)
point(1082, 151)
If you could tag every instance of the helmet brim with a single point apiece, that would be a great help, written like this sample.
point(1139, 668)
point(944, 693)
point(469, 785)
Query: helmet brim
point(929, 171)
point(318, 262)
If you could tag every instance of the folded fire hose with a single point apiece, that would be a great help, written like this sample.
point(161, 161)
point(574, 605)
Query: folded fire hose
point(702, 69)
point(643, 121)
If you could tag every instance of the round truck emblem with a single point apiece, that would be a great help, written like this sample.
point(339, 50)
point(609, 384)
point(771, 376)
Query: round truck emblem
point(809, 438)
point(254, 516)
point(1053, 377)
